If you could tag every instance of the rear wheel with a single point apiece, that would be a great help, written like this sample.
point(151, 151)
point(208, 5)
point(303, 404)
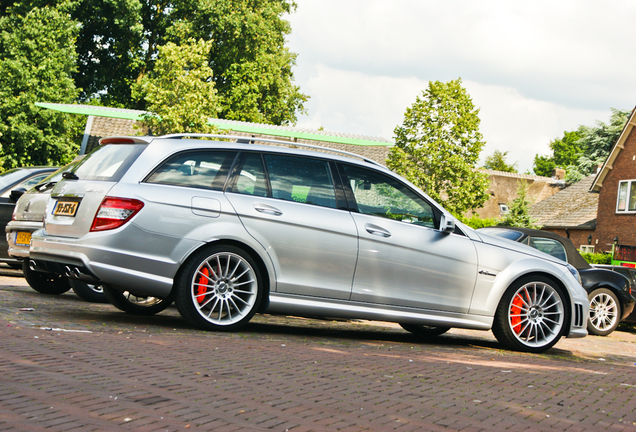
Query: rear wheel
point(45, 283)
point(219, 288)
point(531, 316)
point(604, 312)
point(88, 292)
point(134, 304)
point(424, 330)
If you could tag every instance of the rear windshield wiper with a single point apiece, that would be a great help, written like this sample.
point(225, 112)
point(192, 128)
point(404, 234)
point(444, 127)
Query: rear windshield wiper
point(69, 175)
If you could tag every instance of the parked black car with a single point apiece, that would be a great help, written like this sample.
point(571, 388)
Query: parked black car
point(630, 274)
point(13, 184)
point(609, 292)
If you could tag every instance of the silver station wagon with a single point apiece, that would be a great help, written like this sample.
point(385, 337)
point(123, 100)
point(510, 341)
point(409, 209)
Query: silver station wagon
point(227, 229)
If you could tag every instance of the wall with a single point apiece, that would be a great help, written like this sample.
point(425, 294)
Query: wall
point(609, 224)
point(503, 189)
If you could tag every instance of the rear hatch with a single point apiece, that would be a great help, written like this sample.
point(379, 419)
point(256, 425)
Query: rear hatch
point(76, 199)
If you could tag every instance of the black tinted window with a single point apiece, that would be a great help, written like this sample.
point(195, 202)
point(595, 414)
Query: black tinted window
point(200, 169)
point(380, 195)
point(301, 179)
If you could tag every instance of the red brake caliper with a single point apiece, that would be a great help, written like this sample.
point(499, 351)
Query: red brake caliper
point(515, 313)
point(203, 280)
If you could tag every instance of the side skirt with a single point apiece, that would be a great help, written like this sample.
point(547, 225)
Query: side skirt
point(286, 304)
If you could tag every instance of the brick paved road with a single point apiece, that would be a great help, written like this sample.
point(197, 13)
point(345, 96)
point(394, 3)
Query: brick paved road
point(71, 365)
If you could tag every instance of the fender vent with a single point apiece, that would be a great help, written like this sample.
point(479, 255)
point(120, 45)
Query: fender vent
point(578, 315)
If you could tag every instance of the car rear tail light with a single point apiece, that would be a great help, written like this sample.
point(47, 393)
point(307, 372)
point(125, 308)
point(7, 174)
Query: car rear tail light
point(115, 212)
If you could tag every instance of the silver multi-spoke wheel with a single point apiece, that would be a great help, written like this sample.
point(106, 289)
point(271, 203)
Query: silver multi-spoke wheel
point(135, 304)
point(604, 312)
point(219, 289)
point(224, 288)
point(531, 316)
point(536, 314)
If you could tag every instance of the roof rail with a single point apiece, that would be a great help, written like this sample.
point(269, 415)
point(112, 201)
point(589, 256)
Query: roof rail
point(250, 140)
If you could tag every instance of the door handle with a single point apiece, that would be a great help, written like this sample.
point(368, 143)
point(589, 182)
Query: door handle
point(376, 230)
point(264, 208)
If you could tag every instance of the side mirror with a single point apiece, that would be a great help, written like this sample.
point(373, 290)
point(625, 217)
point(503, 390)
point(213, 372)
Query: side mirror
point(446, 224)
point(16, 194)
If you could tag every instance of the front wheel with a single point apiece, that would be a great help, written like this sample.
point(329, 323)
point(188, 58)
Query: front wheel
point(604, 312)
point(134, 304)
point(424, 330)
point(219, 288)
point(45, 283)
point(88, 292)
point(531, 316)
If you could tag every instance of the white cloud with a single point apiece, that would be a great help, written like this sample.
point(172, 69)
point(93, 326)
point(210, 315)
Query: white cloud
point(534, 68)
point(374, 105)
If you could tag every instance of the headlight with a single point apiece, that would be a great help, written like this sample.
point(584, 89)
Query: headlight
point(575, 273)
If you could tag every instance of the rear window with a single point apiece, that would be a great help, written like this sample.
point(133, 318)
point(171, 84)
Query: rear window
point(108, 162)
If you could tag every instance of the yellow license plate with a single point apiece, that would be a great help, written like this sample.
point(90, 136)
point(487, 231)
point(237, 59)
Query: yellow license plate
point(23, 238)
point(65, 208)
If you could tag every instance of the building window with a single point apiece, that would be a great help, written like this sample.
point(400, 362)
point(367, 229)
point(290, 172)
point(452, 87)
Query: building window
point(503, 209)
point(626, 201)
point(587, 249)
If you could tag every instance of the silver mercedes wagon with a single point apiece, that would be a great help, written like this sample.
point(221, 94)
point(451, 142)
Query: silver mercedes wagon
point(227, 229)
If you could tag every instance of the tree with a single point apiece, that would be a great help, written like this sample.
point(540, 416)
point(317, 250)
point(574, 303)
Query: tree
point(498, 162)
point(596, 143)
point(37, 58)
point(438, 146)
point(519, 210)
point(179, 92)
point(580, 151)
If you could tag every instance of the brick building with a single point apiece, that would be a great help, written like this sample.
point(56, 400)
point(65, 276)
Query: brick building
point(616, 187)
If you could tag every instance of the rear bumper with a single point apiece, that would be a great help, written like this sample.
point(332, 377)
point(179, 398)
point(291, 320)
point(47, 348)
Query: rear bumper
point(13, 227)
point(95, 259)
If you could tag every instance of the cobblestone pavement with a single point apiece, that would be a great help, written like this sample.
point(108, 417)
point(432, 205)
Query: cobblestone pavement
point(71, 365)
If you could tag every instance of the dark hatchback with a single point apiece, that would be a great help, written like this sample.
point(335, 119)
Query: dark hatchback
point(609, 292)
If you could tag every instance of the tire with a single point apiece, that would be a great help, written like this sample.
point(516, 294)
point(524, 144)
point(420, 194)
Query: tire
point(531, 315)
point(88, 292)
point(605, 312)
point(15, 265)
point(133, 304)
point(424, 330)
point(219, 288)
point(45, 283)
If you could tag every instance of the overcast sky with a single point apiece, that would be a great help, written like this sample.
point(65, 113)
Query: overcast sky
point(534, 69)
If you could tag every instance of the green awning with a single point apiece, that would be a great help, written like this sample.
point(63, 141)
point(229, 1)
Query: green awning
point(237, 126)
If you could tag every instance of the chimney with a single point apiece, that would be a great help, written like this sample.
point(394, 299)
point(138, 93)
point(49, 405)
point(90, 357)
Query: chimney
point(558, 173)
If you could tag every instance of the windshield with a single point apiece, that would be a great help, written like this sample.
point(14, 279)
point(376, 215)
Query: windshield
point(502, 233)
point(10, 177)
point(48, 182)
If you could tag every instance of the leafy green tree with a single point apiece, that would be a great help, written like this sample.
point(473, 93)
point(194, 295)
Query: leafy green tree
point(179, 92)
point(580, 151)
point(596, 142)
point(438, 146)
point(119, 40)
point(519, 210)
point(544, 165)
point(37, 58)
point(497, 162)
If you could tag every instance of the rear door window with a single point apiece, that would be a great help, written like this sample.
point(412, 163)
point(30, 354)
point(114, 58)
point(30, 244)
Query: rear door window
point(205, 169)
point(300, 179)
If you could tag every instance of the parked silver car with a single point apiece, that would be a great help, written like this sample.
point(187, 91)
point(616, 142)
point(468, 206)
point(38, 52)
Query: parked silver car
point(28, 217)
point(230, 229)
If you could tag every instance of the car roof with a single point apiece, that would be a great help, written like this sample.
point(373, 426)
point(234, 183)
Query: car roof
point(574, 257)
